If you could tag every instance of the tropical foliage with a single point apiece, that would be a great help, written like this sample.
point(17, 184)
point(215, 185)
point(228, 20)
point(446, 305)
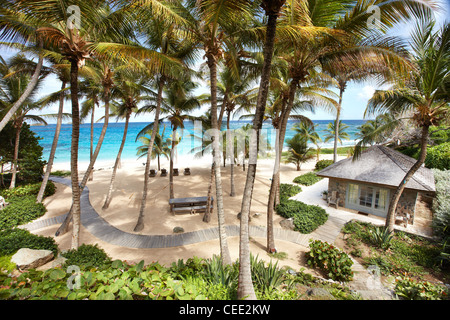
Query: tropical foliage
point(121, 53)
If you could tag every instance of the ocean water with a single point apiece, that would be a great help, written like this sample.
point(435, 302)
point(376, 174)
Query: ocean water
point(114, 134)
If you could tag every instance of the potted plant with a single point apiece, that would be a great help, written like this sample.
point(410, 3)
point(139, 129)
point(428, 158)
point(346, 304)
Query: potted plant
point(324, 195)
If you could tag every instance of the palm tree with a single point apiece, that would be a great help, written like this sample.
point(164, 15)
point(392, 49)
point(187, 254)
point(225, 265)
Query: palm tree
point(308, 131)
point(18, 27)
point(131, 90)
point(62, 72)
point(298, 150)
point(161, 35)
point(177, 104)
point(341, 135)
point(210, 23)
point(424, 93)
point(13, 83)
point(161, 146)
point(245, 285)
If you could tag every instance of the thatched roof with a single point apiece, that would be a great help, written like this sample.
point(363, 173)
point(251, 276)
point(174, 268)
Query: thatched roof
point(381, 165)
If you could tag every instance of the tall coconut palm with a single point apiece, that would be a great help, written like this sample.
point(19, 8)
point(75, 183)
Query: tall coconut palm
point(245, 285)
point(210, 22)
point(178, 102)
point(161, 146)
point(341, 133)
point(62, 72)
point(130, 91)
point(424, 93)
point(17, 27)
point(13, 83)
point(102, 34)
point(160, 34)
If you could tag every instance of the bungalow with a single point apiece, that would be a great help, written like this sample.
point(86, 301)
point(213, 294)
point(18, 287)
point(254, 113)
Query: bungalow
point(367, 184)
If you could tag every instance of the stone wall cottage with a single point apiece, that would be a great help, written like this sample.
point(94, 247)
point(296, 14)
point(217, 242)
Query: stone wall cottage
point(367, 184)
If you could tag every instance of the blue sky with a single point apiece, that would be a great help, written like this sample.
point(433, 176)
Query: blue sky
point(354, 100)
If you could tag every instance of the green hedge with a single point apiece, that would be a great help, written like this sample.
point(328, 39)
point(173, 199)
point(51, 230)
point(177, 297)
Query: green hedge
point(322, 164)
point(288, 190)
point(12, 240)
point(20, 210)
point(87, 256)
point(29, 189)
point(307, 218)
point(307, 179)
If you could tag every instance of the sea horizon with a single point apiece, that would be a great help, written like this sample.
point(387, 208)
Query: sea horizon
point(114, 135)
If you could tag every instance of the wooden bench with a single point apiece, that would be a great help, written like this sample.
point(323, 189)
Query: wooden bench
point(192, 205)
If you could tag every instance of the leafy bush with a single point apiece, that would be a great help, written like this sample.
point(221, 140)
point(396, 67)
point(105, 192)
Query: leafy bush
point(441, 210)
point(419, 290)
point(12, 240)
point(20, 210)
point(119, 282)
point(87, 256)
point(288, 190)
point(335, 263)
point(322, 164)
point(307, 218)
point(30, 154)
point(28, 190)
point(438, 157)
point(307, 179)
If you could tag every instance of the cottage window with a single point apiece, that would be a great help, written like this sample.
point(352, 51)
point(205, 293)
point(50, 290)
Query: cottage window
point(369, 199)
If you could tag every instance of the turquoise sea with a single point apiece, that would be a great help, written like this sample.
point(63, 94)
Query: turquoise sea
point(114, 134)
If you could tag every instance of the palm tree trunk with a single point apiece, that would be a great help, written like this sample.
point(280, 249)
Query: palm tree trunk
point(116, 164)
point(91, 151)
point(245, 284)
point(224, 250)
point(140, 222)
point(172, 151)
point(76, 192)
point(64, 226)
point(336, 125)
point(207, 216)
point(16, 156)
point(274, 187)
point(31, 85)
point(390, 218)
point(48, 170)
point(230, 152)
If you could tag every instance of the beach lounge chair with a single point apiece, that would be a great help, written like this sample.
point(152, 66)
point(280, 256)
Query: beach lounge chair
point(163, 172)
point(333, 199)
point(175, 172)
point(152, 173)
point(187, 171)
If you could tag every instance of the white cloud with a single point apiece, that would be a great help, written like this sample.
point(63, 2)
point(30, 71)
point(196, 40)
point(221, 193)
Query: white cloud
point(366, 92)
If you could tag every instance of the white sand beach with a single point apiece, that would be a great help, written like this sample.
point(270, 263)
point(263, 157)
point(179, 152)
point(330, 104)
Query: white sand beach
point(124, 208)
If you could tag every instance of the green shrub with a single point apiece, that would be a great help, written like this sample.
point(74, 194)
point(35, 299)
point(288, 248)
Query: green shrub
point(307, 179)
point(334, 263)
point(28, 190)
point(322, 164)
point(410, 289)
point(12, 240)
point(87, 256)
point(441, 212)
point(20, 210)
point(438, 157)
point(266, 277)
point(288, 190)
point(307, 218)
